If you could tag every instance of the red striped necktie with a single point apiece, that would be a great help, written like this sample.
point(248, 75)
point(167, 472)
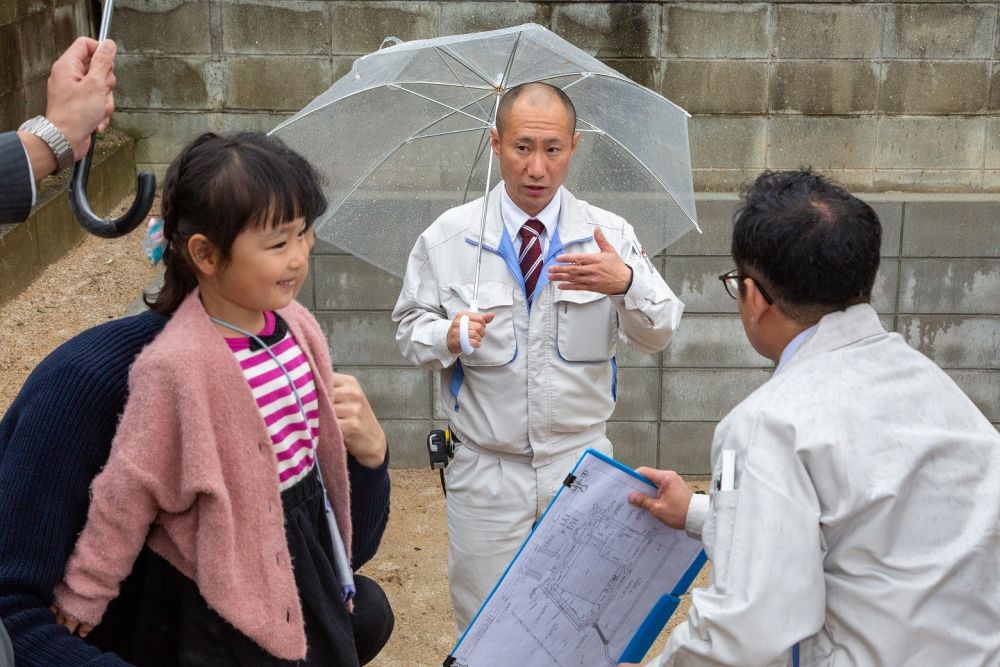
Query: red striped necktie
point(531, 254)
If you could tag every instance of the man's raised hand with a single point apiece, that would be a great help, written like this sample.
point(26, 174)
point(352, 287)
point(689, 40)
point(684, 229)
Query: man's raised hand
point(603, 271)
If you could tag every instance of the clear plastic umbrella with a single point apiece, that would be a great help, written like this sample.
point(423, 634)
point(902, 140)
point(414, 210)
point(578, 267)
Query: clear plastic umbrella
point(405, 136)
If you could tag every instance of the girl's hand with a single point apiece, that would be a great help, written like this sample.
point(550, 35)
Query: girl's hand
point(71, 622)
point(363, 436)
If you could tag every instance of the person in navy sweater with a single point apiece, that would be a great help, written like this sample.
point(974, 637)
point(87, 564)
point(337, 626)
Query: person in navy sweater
point(54, 439)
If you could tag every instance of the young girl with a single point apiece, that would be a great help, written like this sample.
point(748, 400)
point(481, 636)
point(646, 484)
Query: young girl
point(230, 432)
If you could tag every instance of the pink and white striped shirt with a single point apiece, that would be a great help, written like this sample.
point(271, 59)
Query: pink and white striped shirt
point(291, 436)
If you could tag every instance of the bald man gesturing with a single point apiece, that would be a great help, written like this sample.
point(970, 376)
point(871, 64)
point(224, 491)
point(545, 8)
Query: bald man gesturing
point(561, 283)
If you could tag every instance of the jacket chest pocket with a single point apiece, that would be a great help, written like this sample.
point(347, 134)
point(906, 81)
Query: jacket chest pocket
point(586, 326)
point(499, 344)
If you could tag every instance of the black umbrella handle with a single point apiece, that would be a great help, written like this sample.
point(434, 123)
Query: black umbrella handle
point(107, 227)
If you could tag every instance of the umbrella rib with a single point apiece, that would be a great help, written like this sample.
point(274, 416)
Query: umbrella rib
point(443, 84)
point(583, 75)
point(418, 134)
point(460, 60)
point(457, 78)
point(298, 118)
point(623, 79)
point(483, 145)
point(591, 127)
point(444, 134)
point(378, 163)
point(563, 75)
point(510, 61)
point(438, 102)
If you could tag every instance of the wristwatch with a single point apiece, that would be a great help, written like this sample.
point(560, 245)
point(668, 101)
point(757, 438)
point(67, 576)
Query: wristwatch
point(41, 127)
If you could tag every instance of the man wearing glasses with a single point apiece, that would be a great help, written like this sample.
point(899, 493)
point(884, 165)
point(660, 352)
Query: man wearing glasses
point(854, 514)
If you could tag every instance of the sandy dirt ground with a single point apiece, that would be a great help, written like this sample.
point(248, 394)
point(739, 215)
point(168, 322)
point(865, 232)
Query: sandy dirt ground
point(96, 282)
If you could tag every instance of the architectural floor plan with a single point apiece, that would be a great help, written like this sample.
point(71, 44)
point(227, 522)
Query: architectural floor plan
point(586, 579)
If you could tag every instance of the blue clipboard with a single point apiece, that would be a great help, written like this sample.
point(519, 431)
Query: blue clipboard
point(658, 615)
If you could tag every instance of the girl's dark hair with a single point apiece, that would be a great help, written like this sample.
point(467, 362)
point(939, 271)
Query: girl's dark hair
point(220, 186)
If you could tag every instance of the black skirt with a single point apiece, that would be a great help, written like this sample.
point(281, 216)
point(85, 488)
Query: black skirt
point(177, 627)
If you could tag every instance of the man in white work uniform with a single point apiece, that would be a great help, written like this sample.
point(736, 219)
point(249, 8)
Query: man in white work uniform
point(854, 517)
point(561, 283)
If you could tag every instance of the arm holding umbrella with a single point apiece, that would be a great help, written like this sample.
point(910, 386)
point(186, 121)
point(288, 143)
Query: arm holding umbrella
point(79, 102)
point(467, 331)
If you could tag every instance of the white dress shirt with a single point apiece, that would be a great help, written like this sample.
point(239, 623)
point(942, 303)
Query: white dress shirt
point(514, 218)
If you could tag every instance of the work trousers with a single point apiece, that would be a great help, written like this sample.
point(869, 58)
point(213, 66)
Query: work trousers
point(492, 504)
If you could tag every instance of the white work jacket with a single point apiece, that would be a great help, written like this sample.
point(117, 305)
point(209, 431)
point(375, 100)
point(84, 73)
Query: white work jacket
point(568, 339)
point(864, 522)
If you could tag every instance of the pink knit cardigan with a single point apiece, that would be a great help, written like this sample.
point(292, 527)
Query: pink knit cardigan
point(192, 458)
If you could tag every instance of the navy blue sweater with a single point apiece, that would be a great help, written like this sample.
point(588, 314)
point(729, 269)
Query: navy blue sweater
point(54, 439)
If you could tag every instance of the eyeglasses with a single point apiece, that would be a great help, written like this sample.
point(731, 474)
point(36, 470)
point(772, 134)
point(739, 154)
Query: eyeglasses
point(732, 279)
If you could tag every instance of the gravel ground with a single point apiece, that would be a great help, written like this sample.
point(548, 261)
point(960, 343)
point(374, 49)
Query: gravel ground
point(97, 282)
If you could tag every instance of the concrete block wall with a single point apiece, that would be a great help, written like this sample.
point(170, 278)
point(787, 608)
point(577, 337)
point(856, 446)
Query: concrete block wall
point(27, 248)
point(938, 287)
point(32, 35)
point(897, 96)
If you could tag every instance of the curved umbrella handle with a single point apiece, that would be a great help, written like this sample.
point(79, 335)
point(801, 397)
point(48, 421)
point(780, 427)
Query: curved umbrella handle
point(106, 227)
point(463, 329)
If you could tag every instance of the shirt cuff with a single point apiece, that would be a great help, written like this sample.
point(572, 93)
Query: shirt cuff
point(440, 337)
point(31, 174)
point(697, 514)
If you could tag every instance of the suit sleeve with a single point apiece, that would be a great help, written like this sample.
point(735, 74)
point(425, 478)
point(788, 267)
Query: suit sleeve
point(767, 588)
point(422, 321)
point(16, 187)
point(649, 312)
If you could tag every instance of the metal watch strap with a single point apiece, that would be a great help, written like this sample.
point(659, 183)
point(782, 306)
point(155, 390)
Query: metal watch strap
point(41, 127)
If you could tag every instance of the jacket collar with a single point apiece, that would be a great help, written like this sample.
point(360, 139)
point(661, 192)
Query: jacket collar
point(574, 220)
point(196, 321)
point(839, 329)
